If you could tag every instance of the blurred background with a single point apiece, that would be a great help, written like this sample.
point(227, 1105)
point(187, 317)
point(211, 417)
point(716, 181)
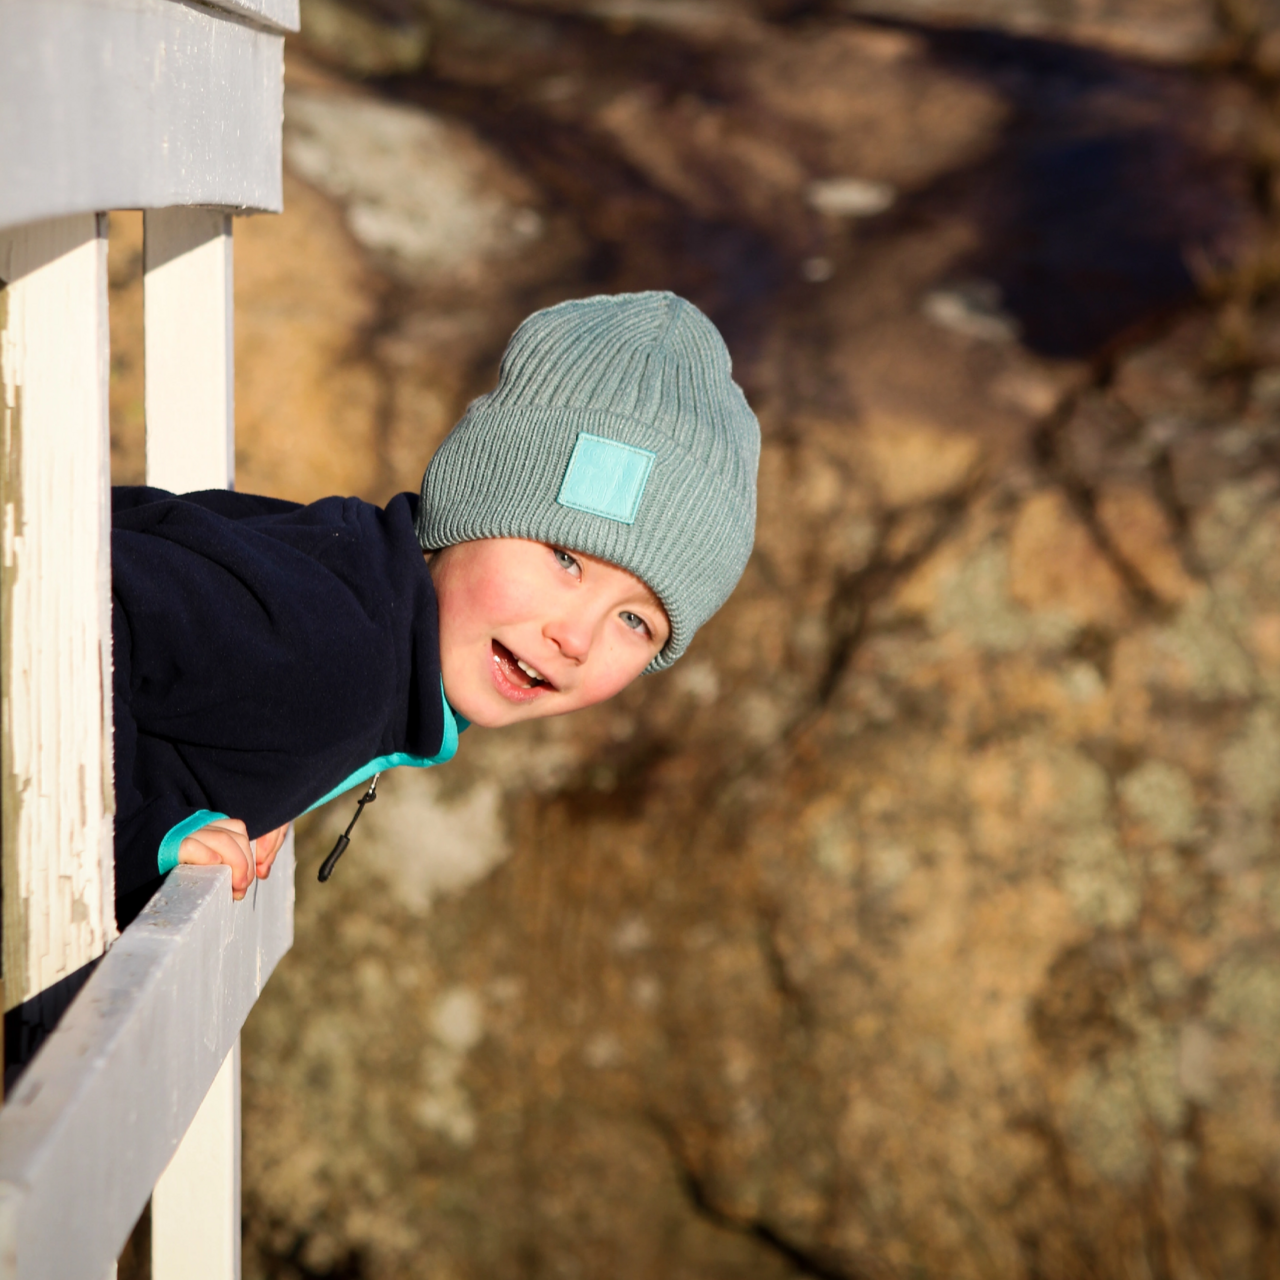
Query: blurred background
point(923, 920)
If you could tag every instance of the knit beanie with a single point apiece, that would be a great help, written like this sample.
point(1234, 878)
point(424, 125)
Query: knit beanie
point(616, 429)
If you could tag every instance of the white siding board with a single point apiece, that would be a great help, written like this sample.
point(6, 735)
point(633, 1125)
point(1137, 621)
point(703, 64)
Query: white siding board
point(97, 1117)
point(126, 104)
point(55, 717)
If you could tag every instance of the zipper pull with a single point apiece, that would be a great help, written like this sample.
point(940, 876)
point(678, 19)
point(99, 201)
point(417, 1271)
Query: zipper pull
point(327, 866)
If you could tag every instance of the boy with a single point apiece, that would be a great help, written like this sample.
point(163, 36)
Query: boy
point(574, 530)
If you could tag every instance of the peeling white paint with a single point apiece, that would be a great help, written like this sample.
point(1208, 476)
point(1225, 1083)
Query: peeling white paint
point(59, 910)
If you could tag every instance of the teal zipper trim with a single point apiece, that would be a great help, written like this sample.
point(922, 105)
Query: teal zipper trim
point(448, 748)
point(167, 859)
point(453, 725)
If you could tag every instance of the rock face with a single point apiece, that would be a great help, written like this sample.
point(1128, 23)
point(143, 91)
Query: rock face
point(923, 920)
point(1162, 30)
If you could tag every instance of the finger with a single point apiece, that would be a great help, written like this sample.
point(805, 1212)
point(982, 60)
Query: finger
point(193, 852)
point(268, 846)
point(225, 841)
point(232, 849)
point(209, 849)
point(233, 826)
point(243, 865)
point(263, 856)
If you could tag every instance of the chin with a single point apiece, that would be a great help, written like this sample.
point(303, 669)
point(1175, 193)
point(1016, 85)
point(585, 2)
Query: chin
point(488, 713)
point(478, 712)
point(489, 720)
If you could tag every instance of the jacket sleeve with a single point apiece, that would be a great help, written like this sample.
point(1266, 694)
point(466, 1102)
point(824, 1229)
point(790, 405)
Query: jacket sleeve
point(148, 832)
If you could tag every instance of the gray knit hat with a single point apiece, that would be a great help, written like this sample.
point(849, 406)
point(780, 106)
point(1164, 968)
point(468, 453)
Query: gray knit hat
point(616, 429)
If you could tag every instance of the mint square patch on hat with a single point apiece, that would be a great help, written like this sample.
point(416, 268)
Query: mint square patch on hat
point(605, 478)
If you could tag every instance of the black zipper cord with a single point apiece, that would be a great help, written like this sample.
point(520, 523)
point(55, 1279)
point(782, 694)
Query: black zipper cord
point(327, 866)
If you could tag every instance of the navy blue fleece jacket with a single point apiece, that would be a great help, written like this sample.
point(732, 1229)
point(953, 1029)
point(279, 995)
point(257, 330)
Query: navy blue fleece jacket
point(267, 656)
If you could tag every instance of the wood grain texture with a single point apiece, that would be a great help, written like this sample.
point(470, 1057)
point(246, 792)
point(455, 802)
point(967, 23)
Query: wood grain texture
point(55, 757)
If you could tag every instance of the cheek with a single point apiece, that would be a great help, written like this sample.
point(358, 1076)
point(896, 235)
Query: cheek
point(618, 669)
point(472, 610)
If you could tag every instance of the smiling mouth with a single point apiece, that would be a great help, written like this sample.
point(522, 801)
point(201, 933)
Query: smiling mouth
point(515, 674)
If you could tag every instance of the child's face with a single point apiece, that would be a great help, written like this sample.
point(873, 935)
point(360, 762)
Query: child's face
point(529, 630)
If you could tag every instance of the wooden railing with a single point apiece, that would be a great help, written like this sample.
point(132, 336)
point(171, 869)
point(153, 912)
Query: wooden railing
point(176, 109)
point(139, 1088)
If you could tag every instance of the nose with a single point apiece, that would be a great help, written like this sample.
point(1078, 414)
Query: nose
point(572, 632)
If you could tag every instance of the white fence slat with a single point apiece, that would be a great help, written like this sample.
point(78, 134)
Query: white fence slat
point(97, 1116)
point(188, 314)
point(188, 310)
point(195, 1208)
point(55, 754)
point(138, 104)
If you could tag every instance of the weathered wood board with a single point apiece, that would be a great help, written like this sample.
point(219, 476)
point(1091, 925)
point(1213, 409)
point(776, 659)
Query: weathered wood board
point(55, 604)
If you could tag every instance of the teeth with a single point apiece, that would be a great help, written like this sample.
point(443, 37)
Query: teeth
point(529, 671)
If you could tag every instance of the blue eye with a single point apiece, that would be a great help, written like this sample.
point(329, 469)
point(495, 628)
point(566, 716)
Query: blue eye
point(634, 621)
point(566, 561)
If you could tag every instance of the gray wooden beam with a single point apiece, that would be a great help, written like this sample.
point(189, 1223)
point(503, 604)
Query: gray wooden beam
point(127, 104)
point(98, 1115)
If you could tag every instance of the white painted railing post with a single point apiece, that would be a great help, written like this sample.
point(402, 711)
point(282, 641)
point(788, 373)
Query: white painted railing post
point(55, 604)
point(190, 414)
point(190, 378)
point(199, 1193)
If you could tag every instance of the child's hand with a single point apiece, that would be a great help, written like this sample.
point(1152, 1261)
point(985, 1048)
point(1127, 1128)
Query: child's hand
point(224, 842)
point(266, 847)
